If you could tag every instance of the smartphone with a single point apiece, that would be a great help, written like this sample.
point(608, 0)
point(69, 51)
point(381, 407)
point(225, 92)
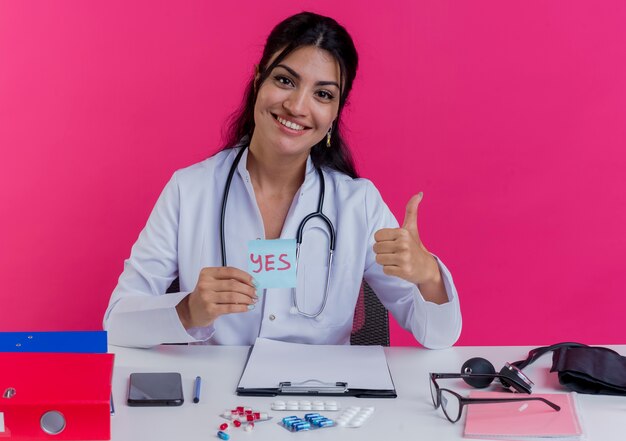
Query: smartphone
point(155, 389)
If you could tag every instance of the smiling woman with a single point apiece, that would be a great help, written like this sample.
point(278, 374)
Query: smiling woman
point(296, 108)
point(327, 58)
point(286, 172)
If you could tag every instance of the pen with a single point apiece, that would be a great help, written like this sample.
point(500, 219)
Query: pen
point(196, 390)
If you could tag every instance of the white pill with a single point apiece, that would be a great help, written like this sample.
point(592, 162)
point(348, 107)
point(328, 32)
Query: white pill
point(331, 405)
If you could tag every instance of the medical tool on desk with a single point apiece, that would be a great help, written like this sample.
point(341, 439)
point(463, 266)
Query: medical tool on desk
point(479, 373)
point(243, 414)
point(354, 416)
point(311, 421)
point(295, 309)
point(304, 405)
point(581, 368)
point(241, 417)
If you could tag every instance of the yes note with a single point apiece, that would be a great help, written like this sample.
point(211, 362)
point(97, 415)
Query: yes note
point(273, 262)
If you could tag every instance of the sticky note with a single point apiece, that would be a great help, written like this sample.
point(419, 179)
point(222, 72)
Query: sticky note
point(273, 262)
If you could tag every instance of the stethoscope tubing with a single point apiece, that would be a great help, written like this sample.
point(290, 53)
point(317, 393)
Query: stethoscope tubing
point(299, 235)
point(229, 180)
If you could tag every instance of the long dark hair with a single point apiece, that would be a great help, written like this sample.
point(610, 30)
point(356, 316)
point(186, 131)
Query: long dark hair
point(303, 29)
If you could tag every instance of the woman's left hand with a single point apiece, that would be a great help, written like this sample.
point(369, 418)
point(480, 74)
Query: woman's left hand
point(401, 252)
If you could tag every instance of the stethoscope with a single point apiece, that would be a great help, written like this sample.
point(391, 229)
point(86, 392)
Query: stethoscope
point(295, 309)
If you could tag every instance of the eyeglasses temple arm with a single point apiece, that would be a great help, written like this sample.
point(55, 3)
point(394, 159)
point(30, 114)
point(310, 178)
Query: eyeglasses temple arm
point(444, 376)
point(508, 400)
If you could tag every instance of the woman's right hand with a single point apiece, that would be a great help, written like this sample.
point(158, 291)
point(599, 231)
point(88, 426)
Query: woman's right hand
point(219, 291)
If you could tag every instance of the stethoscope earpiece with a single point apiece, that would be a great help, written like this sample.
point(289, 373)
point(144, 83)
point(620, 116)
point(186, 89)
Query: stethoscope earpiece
point(478, 365)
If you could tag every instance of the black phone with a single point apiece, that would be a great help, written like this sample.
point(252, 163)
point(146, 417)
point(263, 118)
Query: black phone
point(155, 389)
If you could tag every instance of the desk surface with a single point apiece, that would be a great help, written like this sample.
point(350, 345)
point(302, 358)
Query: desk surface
point(410, 416)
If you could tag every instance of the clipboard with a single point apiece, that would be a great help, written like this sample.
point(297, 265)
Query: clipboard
point(281, 368)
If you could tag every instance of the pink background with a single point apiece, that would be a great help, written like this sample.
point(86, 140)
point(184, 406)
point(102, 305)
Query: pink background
point(511, 117)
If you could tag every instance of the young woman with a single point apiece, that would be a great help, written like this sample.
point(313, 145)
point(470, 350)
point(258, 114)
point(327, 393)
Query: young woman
point(285, 158)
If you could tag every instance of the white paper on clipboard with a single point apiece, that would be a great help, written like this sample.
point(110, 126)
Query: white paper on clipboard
point(272, 362)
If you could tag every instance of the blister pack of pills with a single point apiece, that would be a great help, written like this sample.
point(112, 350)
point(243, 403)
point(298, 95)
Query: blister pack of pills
point(240, 417)
point(245, 414)
point(311, 421)
point(305, 405)
point(354, 416)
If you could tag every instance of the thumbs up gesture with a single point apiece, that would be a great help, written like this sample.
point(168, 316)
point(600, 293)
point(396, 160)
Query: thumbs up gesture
point(401, 252)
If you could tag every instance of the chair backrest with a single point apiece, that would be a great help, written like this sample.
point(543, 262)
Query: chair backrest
point(371, 320)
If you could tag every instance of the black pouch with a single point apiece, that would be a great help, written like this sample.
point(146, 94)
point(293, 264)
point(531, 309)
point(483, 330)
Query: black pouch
point(590, 370)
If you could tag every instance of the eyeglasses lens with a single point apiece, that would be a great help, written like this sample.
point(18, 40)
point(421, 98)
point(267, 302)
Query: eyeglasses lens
point(451, 405)
point(433, 392)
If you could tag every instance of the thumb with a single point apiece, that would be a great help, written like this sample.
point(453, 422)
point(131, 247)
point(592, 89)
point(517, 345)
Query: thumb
point(410, 218)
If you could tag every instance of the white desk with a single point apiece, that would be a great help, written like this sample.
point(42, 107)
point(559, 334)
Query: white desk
point(410, 416)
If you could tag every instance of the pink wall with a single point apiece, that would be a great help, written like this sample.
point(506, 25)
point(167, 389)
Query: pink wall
point(510, 117)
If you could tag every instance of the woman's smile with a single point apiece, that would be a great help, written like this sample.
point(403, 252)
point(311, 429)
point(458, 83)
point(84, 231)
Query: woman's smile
point(290, 124)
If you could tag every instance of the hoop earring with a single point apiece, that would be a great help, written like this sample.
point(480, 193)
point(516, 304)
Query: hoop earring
point(328, 137)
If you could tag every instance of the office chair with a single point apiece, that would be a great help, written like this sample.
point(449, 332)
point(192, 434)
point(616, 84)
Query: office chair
point(371, 320)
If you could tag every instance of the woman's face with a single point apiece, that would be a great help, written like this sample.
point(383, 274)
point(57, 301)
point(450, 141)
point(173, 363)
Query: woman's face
point(297, 103)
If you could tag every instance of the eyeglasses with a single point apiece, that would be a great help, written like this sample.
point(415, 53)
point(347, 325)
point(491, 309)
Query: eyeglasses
point(452, 403)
